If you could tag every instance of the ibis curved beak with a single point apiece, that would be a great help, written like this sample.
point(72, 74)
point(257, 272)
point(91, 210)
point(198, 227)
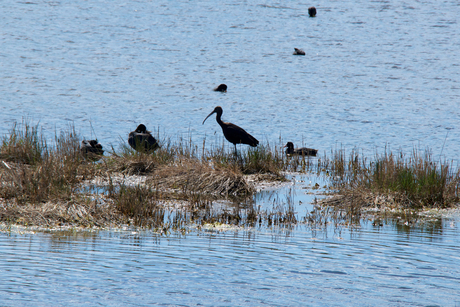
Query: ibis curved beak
point(209, 115)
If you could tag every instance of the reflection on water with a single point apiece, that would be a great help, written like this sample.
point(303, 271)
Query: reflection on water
point(246, 267)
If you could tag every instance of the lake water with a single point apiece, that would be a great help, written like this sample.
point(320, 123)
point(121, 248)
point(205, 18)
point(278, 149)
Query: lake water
point(376, 74)
point(314, 265)
point(391, 264)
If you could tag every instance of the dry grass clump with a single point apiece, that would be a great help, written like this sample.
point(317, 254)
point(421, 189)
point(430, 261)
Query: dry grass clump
point(46, 173)
point(81, 212)
point(259, 160)
point(393, 180)
point(262, 160)
point(141, 205)
point(192, 176)
point(23, 145)
point(131, 162)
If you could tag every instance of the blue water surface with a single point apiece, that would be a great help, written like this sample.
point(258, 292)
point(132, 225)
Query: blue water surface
point(375, 74)
point(371, 266)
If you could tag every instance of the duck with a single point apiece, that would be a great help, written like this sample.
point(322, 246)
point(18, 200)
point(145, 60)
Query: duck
point(142, 140)
point(299, 151)
point(221, 88)
point(298, 52)
point(91, 150)
point(312, 11)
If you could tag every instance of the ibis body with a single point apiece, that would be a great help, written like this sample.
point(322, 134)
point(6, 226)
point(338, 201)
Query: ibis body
point(233, 133)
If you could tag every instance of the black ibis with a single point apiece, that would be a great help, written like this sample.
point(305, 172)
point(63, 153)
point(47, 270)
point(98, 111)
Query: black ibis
point(91, 150)
point(221, 88)
point(312, 11)
point(299, 151)
point(298, 52)
point(141, 140)
point(233, 133)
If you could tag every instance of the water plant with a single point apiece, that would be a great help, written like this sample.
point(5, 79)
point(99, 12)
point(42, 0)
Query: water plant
point(24, 144)
point(414, 182)
point(141, 205)
point(33, 171)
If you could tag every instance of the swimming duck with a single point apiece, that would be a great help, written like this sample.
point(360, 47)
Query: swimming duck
point(221, 88)
point(300, 151)
point(298, 52)
point(141, 140)
point(312, 11)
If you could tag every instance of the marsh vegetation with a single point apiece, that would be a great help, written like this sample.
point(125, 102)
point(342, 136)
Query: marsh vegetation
point(180, 184)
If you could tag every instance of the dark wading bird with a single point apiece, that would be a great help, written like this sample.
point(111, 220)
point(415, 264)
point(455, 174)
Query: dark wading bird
point(298, 52)
point(141, 140)
point(312, 11)
point(299, 151)
point(233, 133)
point(221, 88)
point(91, 150)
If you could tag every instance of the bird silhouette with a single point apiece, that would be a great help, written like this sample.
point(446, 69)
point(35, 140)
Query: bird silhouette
point(312, 11)
point(298, 52)
point(233, 133)
point(141, 140)
point(221, 88)
point(299, 151)
point(91, 150)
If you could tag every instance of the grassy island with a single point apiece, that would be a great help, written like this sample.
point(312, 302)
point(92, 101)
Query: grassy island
point(177, 184)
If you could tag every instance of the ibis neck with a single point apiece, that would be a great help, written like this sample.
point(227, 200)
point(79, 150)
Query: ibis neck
point(219, 120)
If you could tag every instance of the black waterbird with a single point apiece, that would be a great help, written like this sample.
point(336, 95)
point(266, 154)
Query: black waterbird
point(299, 151)
point(298, 52)
point(141, 140)
point(221, 88)
point(91, 150)
point(233, 133)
